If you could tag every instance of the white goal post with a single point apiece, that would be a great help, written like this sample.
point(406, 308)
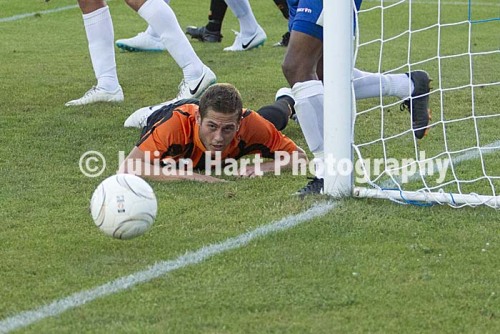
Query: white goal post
point(370, 148)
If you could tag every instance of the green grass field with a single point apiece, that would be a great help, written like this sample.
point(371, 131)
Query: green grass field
point(366, 266)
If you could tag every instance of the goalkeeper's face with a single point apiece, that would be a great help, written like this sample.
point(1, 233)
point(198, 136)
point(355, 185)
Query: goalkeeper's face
point(217, 129)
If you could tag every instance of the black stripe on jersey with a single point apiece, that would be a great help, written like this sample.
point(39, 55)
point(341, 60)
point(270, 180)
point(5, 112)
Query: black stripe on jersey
point(246, 113)
point(201, 163)
point(177, 151)
point(245, 150)
point(162, 115)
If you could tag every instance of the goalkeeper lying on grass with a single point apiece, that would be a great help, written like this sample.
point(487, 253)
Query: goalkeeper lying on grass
point(183, 139)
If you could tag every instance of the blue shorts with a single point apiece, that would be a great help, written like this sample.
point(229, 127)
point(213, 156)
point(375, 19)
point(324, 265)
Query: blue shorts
point(306, 16)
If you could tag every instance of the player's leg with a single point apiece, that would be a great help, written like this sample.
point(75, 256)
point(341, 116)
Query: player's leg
point(281, 110)
point(251, 34)
point(368, 85)
point(148, 41)
point(159, 15)
point(303, 61)
point(299, 68)
point(212, 31)
point(412, 87)
point(100, 37)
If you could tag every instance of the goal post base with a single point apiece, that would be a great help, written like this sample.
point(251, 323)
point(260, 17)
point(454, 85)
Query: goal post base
point(455, 200)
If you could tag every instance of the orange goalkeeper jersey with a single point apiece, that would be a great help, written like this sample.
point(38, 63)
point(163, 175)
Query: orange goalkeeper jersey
point(172, 133)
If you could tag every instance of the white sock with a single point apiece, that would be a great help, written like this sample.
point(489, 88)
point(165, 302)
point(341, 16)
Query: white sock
point(150, 31)
point(242, 10)
point(367, 85)
point(101, 39)
point(309, 96)
point(163, 21)
point(401, 85)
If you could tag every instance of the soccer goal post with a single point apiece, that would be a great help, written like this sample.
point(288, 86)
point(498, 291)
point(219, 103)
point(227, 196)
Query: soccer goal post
point(370, 145)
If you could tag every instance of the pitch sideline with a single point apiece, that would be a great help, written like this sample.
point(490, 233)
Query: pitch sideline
point(26, 15)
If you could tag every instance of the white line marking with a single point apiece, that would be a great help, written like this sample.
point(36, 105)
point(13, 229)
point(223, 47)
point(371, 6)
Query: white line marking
point(48, 11)
point(59, 306)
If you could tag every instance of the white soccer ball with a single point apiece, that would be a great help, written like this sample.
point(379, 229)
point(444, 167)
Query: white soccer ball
point(123, 206)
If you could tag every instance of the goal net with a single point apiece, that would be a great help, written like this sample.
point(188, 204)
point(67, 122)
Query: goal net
point(458, 43)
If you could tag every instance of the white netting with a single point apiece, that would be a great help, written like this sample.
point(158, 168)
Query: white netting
point(458, 43)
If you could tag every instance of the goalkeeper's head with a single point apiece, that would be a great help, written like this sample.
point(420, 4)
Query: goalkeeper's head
point(219, 116)
point(222, 98)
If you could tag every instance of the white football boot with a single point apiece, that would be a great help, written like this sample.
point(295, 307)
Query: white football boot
point(142, 42)
point(139, 118)
point(96, 94)
point(245, 43)
point(194, 88)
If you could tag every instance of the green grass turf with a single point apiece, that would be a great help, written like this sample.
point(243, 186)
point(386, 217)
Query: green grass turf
point(367, 266)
